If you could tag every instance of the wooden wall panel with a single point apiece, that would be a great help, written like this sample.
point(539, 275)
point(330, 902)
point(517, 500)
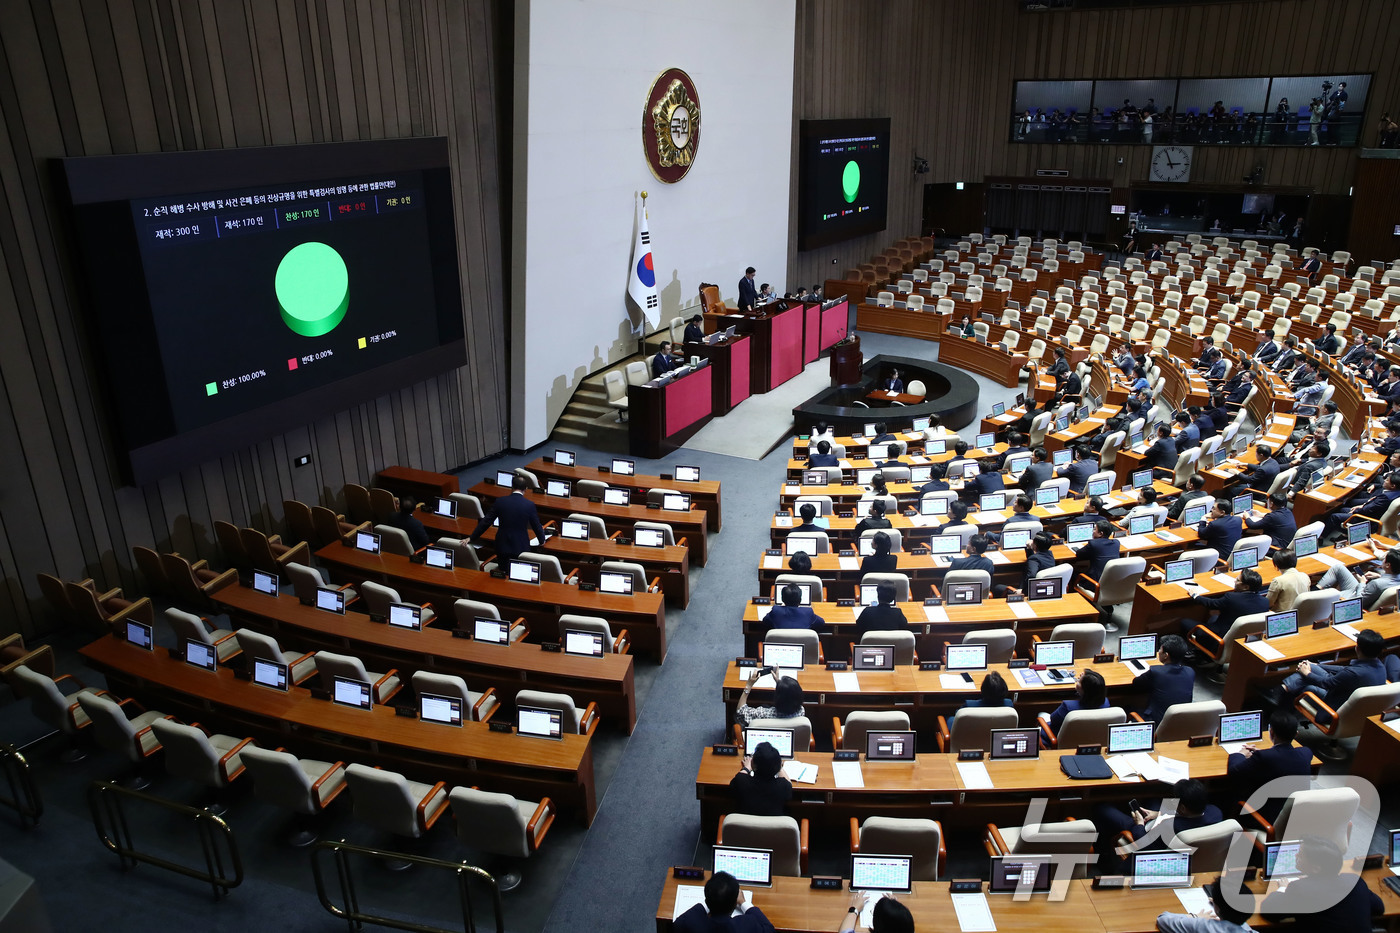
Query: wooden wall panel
point(943, 71)
point(1376, 211)
point(94, 77)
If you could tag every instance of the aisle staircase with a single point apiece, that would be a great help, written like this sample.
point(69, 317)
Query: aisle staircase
point(588, 420)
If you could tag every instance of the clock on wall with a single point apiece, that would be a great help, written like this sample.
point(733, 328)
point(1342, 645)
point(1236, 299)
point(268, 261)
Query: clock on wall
point(1171, 163)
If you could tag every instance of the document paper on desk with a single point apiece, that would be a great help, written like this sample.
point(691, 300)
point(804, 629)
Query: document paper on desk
point(1022, 610)
point(847, 774)
point(974, 775)
point(935, 614)
point(1264, 650)
point(772, 562)
point(974, 914)
point(687, 896)
point(1355, 553)
point(1193, 900)
point(953, 682)
point(802, 772)
point(845, 682)
point(848, 563)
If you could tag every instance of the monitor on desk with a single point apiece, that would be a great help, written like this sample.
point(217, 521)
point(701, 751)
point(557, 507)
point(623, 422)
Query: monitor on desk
point(1047, 495)
point(1018, 463)
point(406, 615)
point(331, 600)
point(1015, 538)
point(985, 441)
point(869, 429)
point(540, 722)
point(1281, 859)
point(1099, 487)
point(965, 657)
point(491, 631)
point(797, 543)
point(676, 502)
point(1305, 546)
point(865, 475)
point(439, 557)
point(1243, 503)
point(1357, 532)
point(879, 452)
point(561, 488)
point(939, 446)
point(1241, 727)
point(198, 654)
point(869, 594)
point(1082, 413)
point(747, 866)
point(1053, 654)
point(882, 873)
point(1061, 457)
point(1194, 514)
point(1048, 588)
point(991, 502)
point(1141, 524)
point(523, 571)
point(919, 426)
point(565, 458)
point(347, 691)
point(918, 475)
point(1012, 873)
point(649, 537)
point(1020, 399)
point(806, 590)
point(443, 710)
point(1395, 848)
point(1345, 611)
point(367, 541)
point(573, 530)
point(889, 746)
point(1019, 743)
point(1280, 624)
point(814, 478)
point(445, 508)
point(873, 658)
point(1167, 868)
point(265, 582)
point(1125, 737)
point(780, 739)
point(783, 655)
point(970, 469)
point(1137, 647)
point(505, 478)
point(944, 545)
point(965, 594)
point(1135, 439)
point(866, 545)
point(687, 474)
point(1243, 559)
point(583, 644)
point(615, 496)
point(1079, 532)
point(624, 467)
point(616, 583)
point(1142, 479)
point(1062, 423)
point(1178, 570)
point(933, 505)
point(270, 673)
point(998, 409)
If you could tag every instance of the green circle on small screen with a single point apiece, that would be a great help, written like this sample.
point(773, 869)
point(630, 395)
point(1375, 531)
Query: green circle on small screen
point(850, 181)
point(313, 289)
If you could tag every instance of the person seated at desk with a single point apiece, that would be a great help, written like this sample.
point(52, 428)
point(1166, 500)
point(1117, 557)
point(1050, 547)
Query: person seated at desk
point(760, 789)
point(1162, 455)
point(823, 456)
point(1040, 471)
point(893, 383)
point(1069, 387)
point(787, 700)
point(1146, 504)
point(1202, 421)
point(1306, 397)
point(1253, 767)
point(722, 898)
point(884, 615)
point(1061, 365)
point(1125, 361)
point(406, 520)
point(1038, 558)
point(1216, 369)
point(1260, 476)
point(1220, 529)
point(1278, 523)
point(882, 432)
point(1325, 421)
point(694, 332)
point(1240, 392)
point(1015, 444)
point(808, 513)
point(1327, 342)
point(991, 694)
point(1090, 693)
point(989, 478)
point(1335, 683)
point(1130, 412)
point(1324, 899)
point(957, 517)
point(1247, 598)
point(1314, 465)
point(766, 293)
point(952, 467)
point(1193, 810)
point(964, 329)
point(1084, 465)
point(887, 916)
point(792, 614)
point(1139, 383)
point(1195, 489)
point(801, 562)
point(1391, 442)
point(875, 518)
point(1373, 506)
point(1021, 512)
point(1208, 352)
point(973, 558)
point(748, 292)
point(663, 362)
point(1290, 583)
point(937, 479)
point(881, 561)
point(1093, 513)
point(1269, 349)
point(1167, 683)
point(1099, 550)
point(1188, 434)
point(1287, 358)
point(1227, 919)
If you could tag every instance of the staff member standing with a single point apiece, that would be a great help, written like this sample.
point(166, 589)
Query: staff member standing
point(518, 519)
point(748, 292)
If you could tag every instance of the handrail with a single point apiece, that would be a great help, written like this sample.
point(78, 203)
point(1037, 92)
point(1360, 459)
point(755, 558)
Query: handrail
point(105, 801)
point(24, 796)
point(356, 918)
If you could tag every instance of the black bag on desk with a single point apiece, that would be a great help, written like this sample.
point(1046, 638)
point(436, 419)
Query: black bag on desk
point(1085, 767)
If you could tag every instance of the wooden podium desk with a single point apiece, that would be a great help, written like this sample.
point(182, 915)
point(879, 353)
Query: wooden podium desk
point(999, 365)
point(921, 694)
point(309, 727)
point(662, 416)
point(731, 362)
point(606, 681)
point(690, 524)
point(777, 332)
point(642, 614)
point(882, 397)
point(927, 324)
point(705, 493)
point(1378, 753)
point(1312, 505)
point(929, 637)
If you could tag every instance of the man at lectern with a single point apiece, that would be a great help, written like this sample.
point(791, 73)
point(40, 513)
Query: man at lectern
point(748, 292)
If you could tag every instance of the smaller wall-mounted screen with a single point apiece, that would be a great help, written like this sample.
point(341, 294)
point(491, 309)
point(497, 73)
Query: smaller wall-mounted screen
point(843, 183)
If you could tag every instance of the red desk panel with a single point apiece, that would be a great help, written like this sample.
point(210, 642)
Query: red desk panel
point(687, 400)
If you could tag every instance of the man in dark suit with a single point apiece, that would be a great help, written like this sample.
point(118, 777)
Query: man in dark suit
point(663, 362)
point(808, 513)
point(1154, 254)
point(1262, 475)
point(518, 521)
point(1335, 683)
point(1015, 444)
point(823, 457)
point(1327, 342)
point(1278, 523)
point(792, 614)
point(1195, 489)
point(1205, 427)
point(882, 432)
point(884, 615)
point(894, 383)
point(1221, 530)
point(748, 292)
point(1373, 506)
point(1188, 433)
point(1268, 350)
point(1061, 365)
point(1312, 267)
point(1253, 767)
point(1239, 393)
point(1071, 387)
point(1163, 453)
point(722, 896)
point(1099, 550)
point(1038, 472)
point(1247, 598)
point(1208, 352)
point(405, 519)
point(973, 558)
point(1078, 472)
point(694, 333)
point(1288, 358)
point(989, 480)
point(1390, 389)
point(1313, 465)
point(1215, 372)
point(1170, 682)
point(937, 480)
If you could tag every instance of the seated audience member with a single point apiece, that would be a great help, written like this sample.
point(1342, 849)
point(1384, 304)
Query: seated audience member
point(1020, 512)
point(1335, 683)
point(937, 479)
point(1099, 550)
point(663, 362)
point(1015, 444)
point(1162, 455)
point(801, 562)
point(694, 332)
point(808, 513)
point(1310, 468)
point(989, 479)
point(954, 465)
point(992, 692)
point(875, 518)
point(1167, 683)
point(760, 789)
point(1193, 810)
point(882, 431)
point(1084, 465)
point(722, 898)
point(1188, 434)
point(405, 519)
point(792, 614)
point(1146, 504)
point(881, 561)
point(1228, 918)
point(823, 456)
point(1260, 476)
point(1219, 415)
point(887, 916)
point(957, 516)
point(1324, 899)
point(973, 558)
point(1195, 489)
point(884, 615)
point(1374, 506)
point(1278, 523)
point(1093, 513)
point(787, 701)
point(1090, 693)
point(1290, 583)
point(1255, 766)
point(1038, 472)
point(1247, 598)
point(1220, 529)
point(1038, 557)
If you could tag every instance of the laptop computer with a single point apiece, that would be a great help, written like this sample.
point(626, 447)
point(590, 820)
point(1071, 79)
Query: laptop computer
point(964, 594)
point(985, 441)
point(505, 478)
point(748, 866)
point(944, 545)
point(1142, 479)
point(1244, 558)
point(780, 739)
point(1137, 650)
point(676, 502)
point(937, 505)
point(1061, 457)
point(561, 488)
point(1141, 524)
point(797, 543)
point(1015, 538)
point(1047, 495)
point(1194, 514)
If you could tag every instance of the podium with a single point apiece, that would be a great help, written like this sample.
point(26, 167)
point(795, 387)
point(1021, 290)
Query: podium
point(846, 361)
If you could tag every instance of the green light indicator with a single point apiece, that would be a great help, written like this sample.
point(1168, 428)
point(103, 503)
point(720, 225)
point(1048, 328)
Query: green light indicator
point(313, 289)
point(211, 388)
point(850, 181)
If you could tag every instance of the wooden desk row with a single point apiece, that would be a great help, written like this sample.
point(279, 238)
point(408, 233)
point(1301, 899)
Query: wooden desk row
point(705, 493)
point(423, 751)
point(606, 681)
point(642, 614)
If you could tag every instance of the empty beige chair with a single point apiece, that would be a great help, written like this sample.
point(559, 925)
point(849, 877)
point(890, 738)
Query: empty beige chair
point(903, 642)
point(1116, 585)
point(254, 645)
point(1220, 649)
point(1314, 606)
point(972, 728)
point(1325, 812)
point(783, 835)
point(1070, 837)
point(211, 760)
point(391, 803)
point(573, 721)
point(332, 665)
point(1000, 642)
point(378, 598)
point(551, 571)
point(1346, 721)
point(501, 825)
point(468, 506)
point(466, 611)
point(1209, 845)
point(808, 639)
point(130, 738)
point(1202, 559)
point(303, 785)
point(190, 627)
point(920, 839)
point(637, 373)
point(51, 706)
point(1081, 727)
point(590, 488)
point(1183, 721)
point(595, 625)
point(860, 722)
point(1088, 637)
point(393, 540)
point(616, 386)
point(306, 580)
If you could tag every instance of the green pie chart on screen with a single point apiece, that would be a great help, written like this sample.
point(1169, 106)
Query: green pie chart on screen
point(313, 289)
point(850, 181)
